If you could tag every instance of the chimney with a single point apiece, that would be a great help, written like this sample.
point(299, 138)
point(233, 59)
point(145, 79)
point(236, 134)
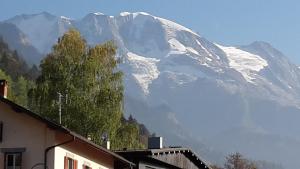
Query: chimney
point(155, 142)
point(3, 88)
point(107, 145)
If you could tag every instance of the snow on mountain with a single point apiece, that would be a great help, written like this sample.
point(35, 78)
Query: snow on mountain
point(134, 14)
point(66, 19)
point(98, 13)
point(177, 79)
point(172, 27)
point(244, 62)
point(145, 70)
point(177, 46)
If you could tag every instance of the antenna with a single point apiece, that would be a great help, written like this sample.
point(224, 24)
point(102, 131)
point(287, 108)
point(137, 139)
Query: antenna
point(104, 136)
point(60, 97)
point(59, 104)
point(105, 139)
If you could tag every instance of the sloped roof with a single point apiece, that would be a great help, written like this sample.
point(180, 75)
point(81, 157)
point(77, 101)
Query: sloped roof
point(51, 124)
point(193, 157)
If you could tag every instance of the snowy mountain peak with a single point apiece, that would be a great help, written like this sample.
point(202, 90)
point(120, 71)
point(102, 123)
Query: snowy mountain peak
point(167, 23)
point(125, 13)
point(94, 15)
point(66, 20)
point(98, 13)
point(134, 14)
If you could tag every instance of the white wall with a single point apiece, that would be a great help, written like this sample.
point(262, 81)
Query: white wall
point(60, 153)
point(23, 131)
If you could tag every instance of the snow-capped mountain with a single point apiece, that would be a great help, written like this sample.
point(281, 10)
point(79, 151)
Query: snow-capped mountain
point(188, 89)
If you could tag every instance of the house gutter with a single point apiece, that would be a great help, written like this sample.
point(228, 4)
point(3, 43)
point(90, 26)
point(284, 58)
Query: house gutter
point(51, 147)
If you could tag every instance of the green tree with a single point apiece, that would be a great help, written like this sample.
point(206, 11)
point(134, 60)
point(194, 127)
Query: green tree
point(15, 71)
point(21, 88)
point(17, 91)
point(129, 134)
point(10, 62)
point(91, 86)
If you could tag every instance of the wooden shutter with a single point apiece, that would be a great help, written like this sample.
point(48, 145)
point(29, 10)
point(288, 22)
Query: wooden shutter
point(75, 164)
point(66, 163)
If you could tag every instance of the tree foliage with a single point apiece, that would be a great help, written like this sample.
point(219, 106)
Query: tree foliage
point(21, 88)
point(133, 134)
point(91, 86)
point(12, 64)
point(17, 89)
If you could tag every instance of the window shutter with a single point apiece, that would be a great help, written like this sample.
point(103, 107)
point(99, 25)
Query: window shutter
point(75, 164)
point(66, 163)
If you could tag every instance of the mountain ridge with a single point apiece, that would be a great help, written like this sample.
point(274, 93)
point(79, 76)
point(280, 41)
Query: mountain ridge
point(18, 41)
point(192, 85)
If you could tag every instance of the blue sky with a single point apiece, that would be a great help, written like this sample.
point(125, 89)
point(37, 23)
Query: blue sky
point(229, 22)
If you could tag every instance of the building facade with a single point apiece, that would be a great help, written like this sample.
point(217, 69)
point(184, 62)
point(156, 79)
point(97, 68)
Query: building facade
point(29, 141)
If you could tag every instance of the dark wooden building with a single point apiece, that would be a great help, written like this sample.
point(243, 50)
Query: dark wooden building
point(164, 158)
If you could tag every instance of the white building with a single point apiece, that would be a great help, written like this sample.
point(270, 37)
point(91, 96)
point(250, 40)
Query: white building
point(29, 141)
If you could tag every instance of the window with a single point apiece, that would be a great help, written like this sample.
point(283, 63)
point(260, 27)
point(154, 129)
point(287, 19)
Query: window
point(13, 160)
point(70, 163)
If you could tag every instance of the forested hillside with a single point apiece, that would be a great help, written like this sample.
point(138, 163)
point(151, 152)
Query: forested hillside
point(17, 72)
